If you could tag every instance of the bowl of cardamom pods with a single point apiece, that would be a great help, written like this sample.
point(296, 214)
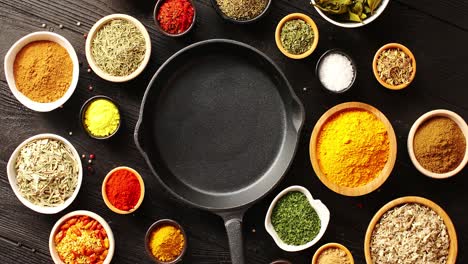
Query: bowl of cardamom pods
point(295, 220)
point(350, 14)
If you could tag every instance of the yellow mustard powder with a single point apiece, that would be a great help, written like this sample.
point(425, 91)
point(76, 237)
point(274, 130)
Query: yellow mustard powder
point(353, 148)
point(102, 118)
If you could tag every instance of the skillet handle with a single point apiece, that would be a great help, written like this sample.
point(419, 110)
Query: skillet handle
point(298, 116)
point(233, 224)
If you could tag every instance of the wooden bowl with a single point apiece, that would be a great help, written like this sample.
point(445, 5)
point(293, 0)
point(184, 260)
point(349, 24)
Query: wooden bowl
point(381, 178)
point(309, 21)
point(89, 56)
point(332, 245)
point(441, 113)
point(109, 204)
point(407, 52)
point(453, 248)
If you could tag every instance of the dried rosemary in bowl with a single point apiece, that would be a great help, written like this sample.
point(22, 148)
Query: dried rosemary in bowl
point(46, 172)
point(118, 48)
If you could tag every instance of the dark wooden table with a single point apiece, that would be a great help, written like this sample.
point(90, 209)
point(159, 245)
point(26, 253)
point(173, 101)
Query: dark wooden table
point(436, 32)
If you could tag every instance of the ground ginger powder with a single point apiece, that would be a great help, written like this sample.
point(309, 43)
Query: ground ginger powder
point(43, 71)
point(353, 148)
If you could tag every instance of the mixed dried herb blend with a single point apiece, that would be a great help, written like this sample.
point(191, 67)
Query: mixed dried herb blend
point(46, 172)
point(394, 67)
point(294, 219)
point(410, 234)
point(242, 9)
point(297, 36)
point(348, 10)
point(118, 48)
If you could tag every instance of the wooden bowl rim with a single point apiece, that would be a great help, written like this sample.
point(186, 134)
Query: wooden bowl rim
point(106, 200)
point(453, 248)
point(386, 171)
point(407, 52)
point(437, 113)
point(306, 19)
point(89, 56)
point(332, 245)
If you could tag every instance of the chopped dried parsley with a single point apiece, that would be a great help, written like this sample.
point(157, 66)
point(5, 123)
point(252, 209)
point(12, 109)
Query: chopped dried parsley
point(46, 172)
point(411, 233)
point(118, 48)
point(297, 36)
point(394, 67)
point(295, 220)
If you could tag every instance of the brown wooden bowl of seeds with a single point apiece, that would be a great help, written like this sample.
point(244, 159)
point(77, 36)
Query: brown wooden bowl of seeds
point(394, 66)
point(411, 228)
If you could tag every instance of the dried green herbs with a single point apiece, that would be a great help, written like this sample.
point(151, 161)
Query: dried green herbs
point(297, 36)
point(294, 219)
point(46, 172)
point(118, 48)
point(242, 9)
point(394, 67)
point(348, 10)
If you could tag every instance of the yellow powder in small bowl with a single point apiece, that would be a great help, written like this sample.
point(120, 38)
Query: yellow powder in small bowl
point(101, 118)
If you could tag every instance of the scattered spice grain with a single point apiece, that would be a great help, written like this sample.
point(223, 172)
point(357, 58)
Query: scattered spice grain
point(439, 145)
point(394, 67)
point(411, 233)
point(333, 256)
point(353, 148)
point(297, 36)
point(242, 9)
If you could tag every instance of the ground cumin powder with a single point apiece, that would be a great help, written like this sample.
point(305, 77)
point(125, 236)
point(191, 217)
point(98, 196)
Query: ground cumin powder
point(353, 148)
point(439, 145)
point(43, 71)
point(333, 256)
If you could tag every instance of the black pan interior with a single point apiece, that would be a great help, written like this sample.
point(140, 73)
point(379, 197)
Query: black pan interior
point(216, 122)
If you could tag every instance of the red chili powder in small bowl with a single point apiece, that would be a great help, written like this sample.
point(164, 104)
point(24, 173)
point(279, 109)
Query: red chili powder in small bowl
point(175, 16)
point(123, 189)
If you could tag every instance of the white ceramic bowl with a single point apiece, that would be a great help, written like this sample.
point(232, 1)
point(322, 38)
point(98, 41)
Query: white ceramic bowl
point(319, 207)
point(89, 56)
point(443, 113)
point(11, 171)
point(369, 20)
point(110, 235)
point(9, 74)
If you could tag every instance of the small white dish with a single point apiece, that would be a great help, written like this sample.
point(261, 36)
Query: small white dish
point(9, 74)
point(11, 172)
point(319, 207)
point(369, 20)
point(89, 56)
point(443, 113)
point(110, 235)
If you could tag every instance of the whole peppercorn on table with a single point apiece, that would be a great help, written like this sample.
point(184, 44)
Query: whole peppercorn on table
point(435, 31)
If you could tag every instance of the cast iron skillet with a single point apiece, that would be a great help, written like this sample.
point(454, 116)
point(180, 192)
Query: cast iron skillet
point(219, 126)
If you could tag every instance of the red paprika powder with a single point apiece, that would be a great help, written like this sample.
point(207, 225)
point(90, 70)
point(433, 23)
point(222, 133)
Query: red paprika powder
point(123, 189)
point(175, 16)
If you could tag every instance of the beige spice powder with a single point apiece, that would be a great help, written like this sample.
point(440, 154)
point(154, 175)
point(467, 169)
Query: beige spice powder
point(333, 256)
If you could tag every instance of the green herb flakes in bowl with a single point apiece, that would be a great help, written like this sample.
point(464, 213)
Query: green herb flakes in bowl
point(45, 173)
point(295, 220)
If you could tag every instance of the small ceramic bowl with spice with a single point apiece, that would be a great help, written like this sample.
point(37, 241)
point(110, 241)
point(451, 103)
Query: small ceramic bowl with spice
point(333, 253)
point(118, 48)
point(172, 235)
point(96, 241)
point(336, 71)
point(174, 26)
point(437, 144)
point(100, 117)
point(26, 175)
point(300, 30)
point(399, 232)
point(294, 230)
point(123, 190)
point(353, 148)
point(47, 85)
point(394, 66)
point(370, 11)
point(240, 11)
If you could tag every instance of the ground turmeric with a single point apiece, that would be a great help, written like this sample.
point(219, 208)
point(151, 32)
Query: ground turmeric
point(353, 148)
point(166, 243)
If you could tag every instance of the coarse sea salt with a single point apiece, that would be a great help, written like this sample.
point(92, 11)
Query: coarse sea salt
point(336, 72)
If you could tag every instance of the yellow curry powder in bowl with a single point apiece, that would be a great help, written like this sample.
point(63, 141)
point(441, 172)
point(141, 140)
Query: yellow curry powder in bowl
point(353, 148)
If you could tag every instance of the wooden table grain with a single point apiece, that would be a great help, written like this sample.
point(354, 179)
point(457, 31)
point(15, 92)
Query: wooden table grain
point(436, 32)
